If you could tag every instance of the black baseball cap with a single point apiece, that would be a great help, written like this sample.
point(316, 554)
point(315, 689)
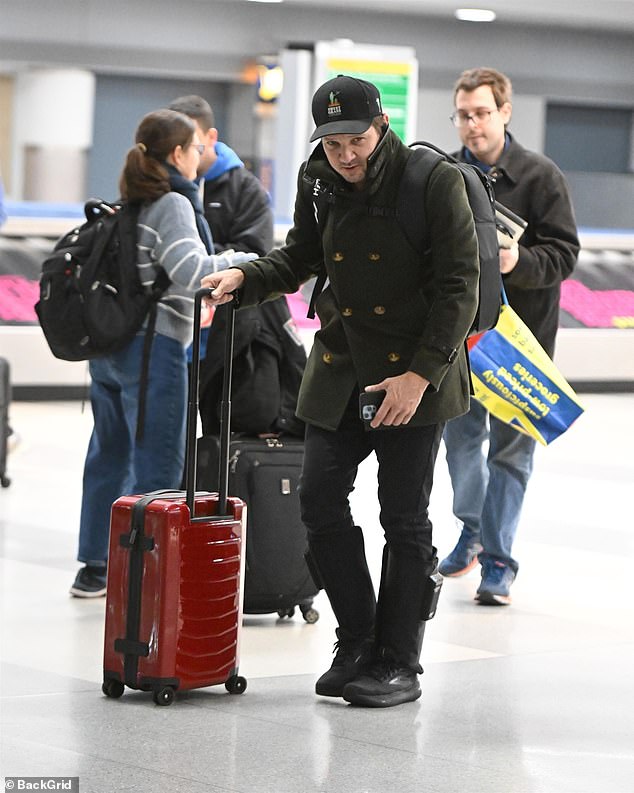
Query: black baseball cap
point(344, 105)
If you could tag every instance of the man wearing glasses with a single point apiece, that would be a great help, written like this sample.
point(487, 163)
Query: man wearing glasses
point(489, 490)
point(237, 207)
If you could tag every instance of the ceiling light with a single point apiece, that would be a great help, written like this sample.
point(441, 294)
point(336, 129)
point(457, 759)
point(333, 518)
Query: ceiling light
point(266, 1)
point(475, 14)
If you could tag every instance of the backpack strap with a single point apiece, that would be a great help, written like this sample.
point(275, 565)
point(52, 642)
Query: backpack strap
point(128, 230)
point(161, 282)
point(323, 194)
point(323, 197)
point(425, 144)
point(320, 283)
point(411, 196)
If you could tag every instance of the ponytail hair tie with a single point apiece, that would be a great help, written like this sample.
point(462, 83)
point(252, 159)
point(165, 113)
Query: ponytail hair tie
point(142, 147)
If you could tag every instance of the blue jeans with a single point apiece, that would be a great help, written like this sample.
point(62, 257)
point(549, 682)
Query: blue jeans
point(488, 491)
point(116, 464)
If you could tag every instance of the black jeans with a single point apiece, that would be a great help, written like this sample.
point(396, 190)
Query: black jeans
point(406, 457)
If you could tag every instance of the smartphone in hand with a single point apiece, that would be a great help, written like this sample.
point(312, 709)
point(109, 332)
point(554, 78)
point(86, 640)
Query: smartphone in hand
point(369, 403)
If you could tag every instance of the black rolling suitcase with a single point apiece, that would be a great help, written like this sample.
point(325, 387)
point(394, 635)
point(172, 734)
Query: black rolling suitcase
point(264, 472)
point(5, 399)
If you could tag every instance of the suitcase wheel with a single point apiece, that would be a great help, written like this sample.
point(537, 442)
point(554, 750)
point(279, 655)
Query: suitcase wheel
point(5, 481)
point(236, 684)
point(112, 688)
point(310, 614)
point(163, 696)
point(286, 613)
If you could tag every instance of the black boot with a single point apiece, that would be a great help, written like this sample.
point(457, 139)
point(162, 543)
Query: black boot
point(392, 678)
point(339, 565)
point(350, 658)
point(384, 683)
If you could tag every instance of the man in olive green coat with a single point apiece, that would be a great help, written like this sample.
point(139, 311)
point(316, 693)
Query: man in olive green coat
point(393, 323)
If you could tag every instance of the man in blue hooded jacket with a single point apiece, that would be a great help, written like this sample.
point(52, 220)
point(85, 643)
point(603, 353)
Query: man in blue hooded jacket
point(238, 210)
point(237, 207)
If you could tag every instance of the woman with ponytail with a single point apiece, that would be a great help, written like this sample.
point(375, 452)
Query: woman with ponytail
point(172, 234)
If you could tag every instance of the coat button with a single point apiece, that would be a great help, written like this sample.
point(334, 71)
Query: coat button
point(337, 256)
point(380, 310)
point(374, 257)
point(346, 312)
point(327, 357)
point(393, 357)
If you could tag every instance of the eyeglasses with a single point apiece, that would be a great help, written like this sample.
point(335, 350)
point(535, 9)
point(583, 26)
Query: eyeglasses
point(461, 119)
point(200, 148)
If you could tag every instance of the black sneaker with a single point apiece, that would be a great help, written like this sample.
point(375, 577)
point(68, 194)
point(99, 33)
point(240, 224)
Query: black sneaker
point(384, 684)
point(346, 665)
point(89, 583)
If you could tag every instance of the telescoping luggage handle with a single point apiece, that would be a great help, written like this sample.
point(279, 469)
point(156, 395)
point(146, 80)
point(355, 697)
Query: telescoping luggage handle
point(225, 409)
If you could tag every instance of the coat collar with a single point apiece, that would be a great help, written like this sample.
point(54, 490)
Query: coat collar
point(318, 165)
point(510, 163)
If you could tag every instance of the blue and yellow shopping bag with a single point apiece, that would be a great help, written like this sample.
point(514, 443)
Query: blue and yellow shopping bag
point(516, 381)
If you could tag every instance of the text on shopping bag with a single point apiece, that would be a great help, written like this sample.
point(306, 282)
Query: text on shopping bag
point(514, 378)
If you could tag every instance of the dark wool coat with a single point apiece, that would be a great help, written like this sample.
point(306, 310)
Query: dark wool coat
point(386, 309)
point(534, 188)
point(238, 211)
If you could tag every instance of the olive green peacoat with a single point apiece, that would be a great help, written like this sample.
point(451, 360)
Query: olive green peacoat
point(387, 309)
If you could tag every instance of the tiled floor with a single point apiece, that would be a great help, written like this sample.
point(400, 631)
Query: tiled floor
point(535, 698)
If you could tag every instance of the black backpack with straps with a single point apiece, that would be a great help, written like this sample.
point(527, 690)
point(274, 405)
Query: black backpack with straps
point(92, 302)
point(410, 211)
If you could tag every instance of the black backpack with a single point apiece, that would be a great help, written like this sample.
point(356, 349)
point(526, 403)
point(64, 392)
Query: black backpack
point(410, 214)
point(92, 302)
point(268, 364)
point(482, 202)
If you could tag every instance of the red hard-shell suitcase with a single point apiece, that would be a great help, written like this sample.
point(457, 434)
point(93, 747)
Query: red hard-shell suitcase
point(175, 576)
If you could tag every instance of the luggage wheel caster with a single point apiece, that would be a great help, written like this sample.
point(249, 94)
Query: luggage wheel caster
point(5, 481)
point(236, 684)
point(310, 614)
point(286, 613)
point(113, 688)
point(164, 696)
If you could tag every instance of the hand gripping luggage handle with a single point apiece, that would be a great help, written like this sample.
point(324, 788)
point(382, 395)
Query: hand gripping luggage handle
point(225, 409)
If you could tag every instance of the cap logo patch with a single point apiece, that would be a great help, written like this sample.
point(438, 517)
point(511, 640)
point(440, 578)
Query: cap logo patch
point(334, 107)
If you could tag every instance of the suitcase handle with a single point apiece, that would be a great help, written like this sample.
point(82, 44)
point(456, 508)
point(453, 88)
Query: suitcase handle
point(225, 409)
